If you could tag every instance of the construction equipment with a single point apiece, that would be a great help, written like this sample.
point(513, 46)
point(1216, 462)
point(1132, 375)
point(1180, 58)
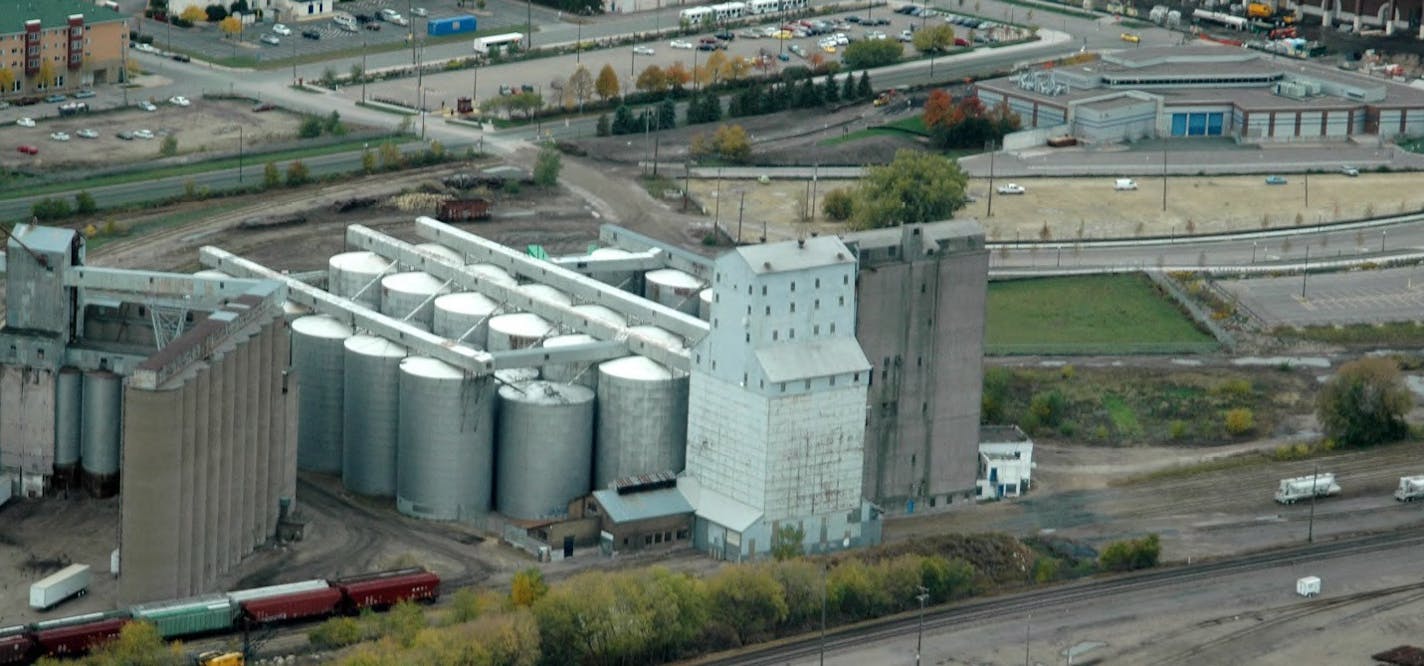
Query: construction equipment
point(219, 658)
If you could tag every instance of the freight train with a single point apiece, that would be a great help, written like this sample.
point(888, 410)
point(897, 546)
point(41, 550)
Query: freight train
point(220, 613)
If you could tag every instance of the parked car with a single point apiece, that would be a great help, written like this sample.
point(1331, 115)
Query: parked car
point(1275, 180)
point(680, 44)
point(1349, 171)
point(643, 50)
point(25, 122)
point(373, 26)
point(399, 20)
point(1124, 184)
point(855, 18)
point(181, 57)
point(265, 106)
point(179, 100)
point(142, 134)
point(270, 39)
point(125, 135)
point(876, 21)
point(724, 35)
point(960, 41)
point(311, 34)
point(797, 49)
point(147, 106)
point(387, 14)
point(282, 30)
point(87, 134)
point(363, 19)
point(55, 99)
point(1011, 188)
point(82, 94)
point(4, 104)
point(28, 149)
point(419, 11)
point(58, 136)
point(709, 44)
point(146, 48)
point(1131, 37)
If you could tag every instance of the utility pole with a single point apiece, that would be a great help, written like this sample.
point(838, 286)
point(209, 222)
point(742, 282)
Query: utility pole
point(824, 557)
point(990, 212)
point(1305, 273)
point(741, 207)
point(529, 24)
point(717, 206)
point(1314, 479)
point(239, 154)
point(1164, 176)
point(923, 596)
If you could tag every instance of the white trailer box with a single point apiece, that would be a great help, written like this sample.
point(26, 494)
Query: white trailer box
point(70, 581)
point(1308, 586)
point(1410, 488)
point(1291, 491)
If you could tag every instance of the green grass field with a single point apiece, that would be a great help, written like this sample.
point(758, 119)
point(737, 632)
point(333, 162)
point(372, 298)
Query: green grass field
point(1088, 315)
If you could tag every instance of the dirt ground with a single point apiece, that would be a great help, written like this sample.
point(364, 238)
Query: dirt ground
point(1088, 208)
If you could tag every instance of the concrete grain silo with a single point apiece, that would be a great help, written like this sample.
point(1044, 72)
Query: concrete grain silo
point(68, 425)
point(661, 334)
point(465, 317)
point(411, 297)
point(625, 280)
point(673, 288)
point(99, 439)
point(517, 330)
point(445, 456)
point(642, 420)
point(372, 415)
point(545, 449)
point(357, 275)
point(607, 315)
point(545, 292)
point(704, 304)
point(580, 372)
point(441, 251)
point(493, 273)
point(319, 359)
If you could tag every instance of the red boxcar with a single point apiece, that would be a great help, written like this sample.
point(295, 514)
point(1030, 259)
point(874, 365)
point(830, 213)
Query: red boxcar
point(15, 649)
point(79, 638)
point(380, 590)
point(294, 606)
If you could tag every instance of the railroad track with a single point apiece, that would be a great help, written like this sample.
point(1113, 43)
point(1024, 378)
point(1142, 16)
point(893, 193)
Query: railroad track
point(963, 614)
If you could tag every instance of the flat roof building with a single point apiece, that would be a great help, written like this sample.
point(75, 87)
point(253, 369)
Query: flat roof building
point(59, 45)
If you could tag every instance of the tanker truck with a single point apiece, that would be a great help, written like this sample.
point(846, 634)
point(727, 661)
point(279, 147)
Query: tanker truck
point(1303, 487)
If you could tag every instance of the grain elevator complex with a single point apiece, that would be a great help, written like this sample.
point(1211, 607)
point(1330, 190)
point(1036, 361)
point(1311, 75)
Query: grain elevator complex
point(816, 384)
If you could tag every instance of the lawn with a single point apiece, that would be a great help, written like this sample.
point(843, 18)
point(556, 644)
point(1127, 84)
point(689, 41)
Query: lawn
point(1395, 334)
point(1113, 314)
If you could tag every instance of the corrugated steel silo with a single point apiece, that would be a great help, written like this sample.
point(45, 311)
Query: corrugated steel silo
point(545, 448)
point(319, 358)
point(493, 274)
point(445, 458)
point(411, 296)
point(673, 288)
point(547, 293)
point(517, 331)
point(99, 444)
point(372, 415)
point(583, 372)
point(601, 313)
point(350, 273)
point(642, 420)
point(68, 424)
point(465, 317)
point(704, 304)
point(625, 280)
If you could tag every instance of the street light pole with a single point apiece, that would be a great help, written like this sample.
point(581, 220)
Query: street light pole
point(239, 154)
point(923, 596)
point(990, 211)
point(1307, 189)
point(1164, 176)
point(1305, 273)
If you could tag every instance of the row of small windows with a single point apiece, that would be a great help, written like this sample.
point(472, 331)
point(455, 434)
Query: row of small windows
point(791, 332)
point(815, 305)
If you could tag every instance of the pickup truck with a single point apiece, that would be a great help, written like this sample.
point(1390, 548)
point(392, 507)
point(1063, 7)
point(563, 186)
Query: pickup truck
point(1010, 188)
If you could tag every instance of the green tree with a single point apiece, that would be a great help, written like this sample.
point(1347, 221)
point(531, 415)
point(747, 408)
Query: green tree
point(169, 146)
point(786, 542)
point(607, 84)
point(732, 144)
point(863, 88)
point(297, 174)
point(853, 590)
point(747, 600)
point(947, 580)
point(528, 587)
point(830, 91)
point(603, 128)
point(368, 161)
point(271, 177)
point(936, 38)
point(357, 73)
point(916, 187)
point(193, 14)
point(391, 157)
point(848, 92)
point(622, 120)
point(84, 203)
point(1365, 403)
point(310, 127)
point(868, 53)
point(333, 125)
point(50, 208)
point(667, 114)
point(231, 26)
point(800, 581)
point(838, 204)
point(1131, 554)
point(547, 166)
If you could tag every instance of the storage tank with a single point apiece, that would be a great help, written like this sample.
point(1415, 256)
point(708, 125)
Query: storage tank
point(494, 274)
point(99, 453)
point(442, 252)
point(642, 420)
point(68, 425)
point(411, 297)
point(581, 372)
point(372, 414)
point(547, 293)
point(657, 333)
point(292, 311)
point(673, 288)
point(445, 456)
point(319, 359)
point(352, 272)
point(464, 316)
point(704, 304)
point(625, 280)
point(517, 331)
point(601, 313)
point(211, 274)
point(545, 448)
point(516, 375)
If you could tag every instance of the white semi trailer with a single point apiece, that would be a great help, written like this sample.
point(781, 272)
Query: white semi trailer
point(71, 581)
point(1410, 488)
point(1303, 487)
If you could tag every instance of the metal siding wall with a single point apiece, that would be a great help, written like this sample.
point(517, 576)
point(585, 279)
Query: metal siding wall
point(149, 518)
point(202, 533)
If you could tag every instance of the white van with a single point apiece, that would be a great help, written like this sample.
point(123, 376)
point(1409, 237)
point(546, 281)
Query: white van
point(387, 14)
point(344, 21)
point(1124, 184)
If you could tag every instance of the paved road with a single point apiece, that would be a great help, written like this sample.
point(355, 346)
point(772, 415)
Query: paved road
point(1365, 297)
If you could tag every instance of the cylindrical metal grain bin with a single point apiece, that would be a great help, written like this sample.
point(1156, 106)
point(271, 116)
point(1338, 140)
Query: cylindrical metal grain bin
point(352, 273)
point(601, 313)
point(642, 420)
point(411, 296)
point(441, 251)
point(493, 273)
point(516, 375)
point(547, 293)
point(319, 358)
point(445, 459)
point(545, 448)
point(657, 333)
point(704, 304)
point(372, 415)
point(68, 424)
point(211, 274)
point(581, 372)
point(292, 311)
point(625, 280)
point(465, 317)
point(673, 288)
point(103, 405)
point(518, 330)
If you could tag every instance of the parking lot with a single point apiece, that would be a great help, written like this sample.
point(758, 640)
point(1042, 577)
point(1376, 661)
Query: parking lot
point(1364, 297)
point(205, 41)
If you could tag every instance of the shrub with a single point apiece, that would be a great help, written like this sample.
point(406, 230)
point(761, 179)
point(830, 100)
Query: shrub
point(297, 174)
point(337, 632)
point(1131, 554)
point(310, 128)
point(50, 208)
point(1177, 429)
point(1239, 421)
point(84, 203)
point(169, 147)
point(872, 53)
point(1365, 403)
point(838, 204)
point(1046, 410)
point(271, 177)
